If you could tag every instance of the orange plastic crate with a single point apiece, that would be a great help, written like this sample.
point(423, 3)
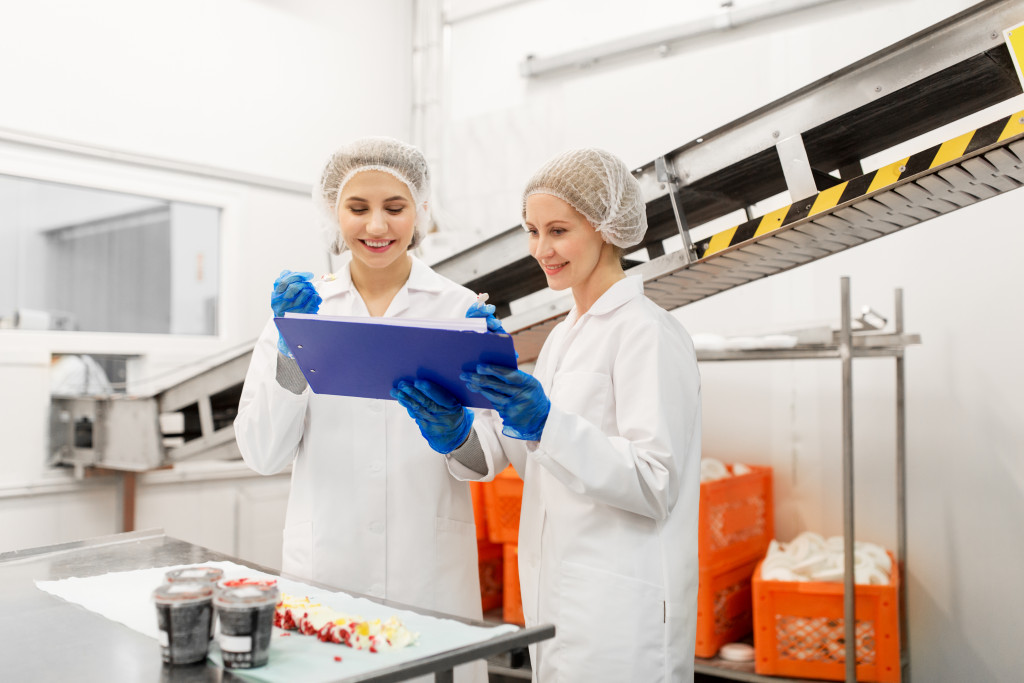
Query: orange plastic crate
point(503, 497)
point(476, 488)
point(490, 561)
point(724, 607)
point(737, 518)
point(512, 611)
point(799, 629)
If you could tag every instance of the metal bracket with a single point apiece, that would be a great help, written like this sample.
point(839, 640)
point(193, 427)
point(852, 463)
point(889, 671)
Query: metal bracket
point(666, 175)
point(870, 319)
point(796, 167)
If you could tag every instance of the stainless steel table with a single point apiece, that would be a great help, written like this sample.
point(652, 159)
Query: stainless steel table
point(44, 638)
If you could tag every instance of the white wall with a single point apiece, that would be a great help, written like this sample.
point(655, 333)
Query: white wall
point(264, 86)
point(261, 87)
point(959, 274)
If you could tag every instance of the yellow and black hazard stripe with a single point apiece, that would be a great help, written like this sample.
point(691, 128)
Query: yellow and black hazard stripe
point(904, 170)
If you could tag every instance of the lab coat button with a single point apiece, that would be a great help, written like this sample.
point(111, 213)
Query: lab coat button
point(375, 467)
point(376, 527)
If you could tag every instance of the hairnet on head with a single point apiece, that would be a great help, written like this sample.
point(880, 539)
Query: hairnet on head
point(404, 161)
point(598, 185)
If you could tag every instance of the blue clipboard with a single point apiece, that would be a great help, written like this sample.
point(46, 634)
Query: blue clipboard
point(366, 359)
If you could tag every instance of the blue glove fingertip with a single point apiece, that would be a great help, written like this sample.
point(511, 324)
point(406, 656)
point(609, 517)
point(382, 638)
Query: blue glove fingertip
point(282, 346)
point(480, 310)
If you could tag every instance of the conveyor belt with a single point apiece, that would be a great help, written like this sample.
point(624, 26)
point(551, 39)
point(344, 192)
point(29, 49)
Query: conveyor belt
point(967, 169)
point(810, 143)
point(936, 77)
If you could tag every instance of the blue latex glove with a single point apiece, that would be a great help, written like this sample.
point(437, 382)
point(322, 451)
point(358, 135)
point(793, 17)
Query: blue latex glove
point(481, 310)
point(517, 396)
point(293, 292)
point(443, 421)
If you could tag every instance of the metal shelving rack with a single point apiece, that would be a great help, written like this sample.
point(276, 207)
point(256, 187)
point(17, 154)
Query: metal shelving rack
point(847, 345)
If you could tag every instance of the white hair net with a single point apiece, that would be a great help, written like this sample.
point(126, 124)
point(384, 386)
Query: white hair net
point(398, 158)
point(598, 185)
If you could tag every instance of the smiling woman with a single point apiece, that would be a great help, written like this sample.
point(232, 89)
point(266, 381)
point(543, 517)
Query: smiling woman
point(377, 216)
point(571, 252)
point(606, 436)
point(415, 538)
point(372, 157)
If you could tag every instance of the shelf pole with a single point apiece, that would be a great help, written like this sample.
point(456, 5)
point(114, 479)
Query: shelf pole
point(849, 592)
point(901, 493)
point(666, 175)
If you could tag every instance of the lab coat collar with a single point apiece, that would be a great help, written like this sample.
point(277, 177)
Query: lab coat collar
point(621, 292)
point(421, 278)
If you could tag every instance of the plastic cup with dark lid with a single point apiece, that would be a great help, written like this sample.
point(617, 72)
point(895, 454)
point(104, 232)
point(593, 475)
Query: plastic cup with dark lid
point(200, 574)
point(246, 615)
point(184, 613)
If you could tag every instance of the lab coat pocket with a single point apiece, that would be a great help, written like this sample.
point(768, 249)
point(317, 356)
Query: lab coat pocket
point(587, 394)
point(610, 627)
point(457, 582)
point(297, 553)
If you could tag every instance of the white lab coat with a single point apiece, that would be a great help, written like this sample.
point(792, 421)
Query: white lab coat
point(608, 530)
point(372, 508)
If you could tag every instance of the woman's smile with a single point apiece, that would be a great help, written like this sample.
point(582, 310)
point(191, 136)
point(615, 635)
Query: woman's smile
point(553, 268)
point(377, 246)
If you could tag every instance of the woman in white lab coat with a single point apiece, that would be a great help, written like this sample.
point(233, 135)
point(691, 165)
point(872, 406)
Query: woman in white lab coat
point(606, 437)
point(372, 508)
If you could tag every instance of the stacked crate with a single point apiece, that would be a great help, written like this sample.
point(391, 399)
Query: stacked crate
point(799, 629)
point(490, 557)
point(503, 498)
point(735, 525)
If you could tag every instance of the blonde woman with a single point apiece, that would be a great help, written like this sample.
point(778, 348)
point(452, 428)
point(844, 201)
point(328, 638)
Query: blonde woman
point(606, 436)
point(372, 508)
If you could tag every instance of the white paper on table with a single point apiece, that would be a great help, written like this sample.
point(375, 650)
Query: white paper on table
point(127, 598)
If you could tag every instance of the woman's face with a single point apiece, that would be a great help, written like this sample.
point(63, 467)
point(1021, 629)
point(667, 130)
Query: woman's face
point(377, 218)
point(564, 243)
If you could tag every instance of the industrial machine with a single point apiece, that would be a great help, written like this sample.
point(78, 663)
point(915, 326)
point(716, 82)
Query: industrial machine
point(191, 419)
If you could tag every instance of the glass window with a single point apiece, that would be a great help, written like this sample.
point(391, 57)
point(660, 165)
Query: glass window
point(79, 258)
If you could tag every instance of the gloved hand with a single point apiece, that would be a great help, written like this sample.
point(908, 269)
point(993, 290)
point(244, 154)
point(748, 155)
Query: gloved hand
point(293, 292)
point(443, 421)
point(517, 396)
point(481, 310)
